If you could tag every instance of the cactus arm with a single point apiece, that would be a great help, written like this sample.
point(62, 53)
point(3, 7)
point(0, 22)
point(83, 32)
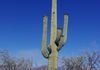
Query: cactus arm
point(61, 43)
point(53, 22)
point(65, 28)
point(44, 38)
point(63, 38)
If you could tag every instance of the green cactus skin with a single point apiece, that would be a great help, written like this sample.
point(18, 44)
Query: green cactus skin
point(56, 42)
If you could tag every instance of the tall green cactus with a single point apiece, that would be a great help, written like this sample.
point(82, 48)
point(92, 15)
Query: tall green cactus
point(57, 40)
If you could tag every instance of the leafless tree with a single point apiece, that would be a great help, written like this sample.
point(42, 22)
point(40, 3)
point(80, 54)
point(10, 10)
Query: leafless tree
point(6, 61)
point(23, 64)
point(93, 61)
point(90, 61)
point(73, 63)
point(9, 63)
point(44, 67)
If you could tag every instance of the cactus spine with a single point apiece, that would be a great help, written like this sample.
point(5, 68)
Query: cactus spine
point(57, 40)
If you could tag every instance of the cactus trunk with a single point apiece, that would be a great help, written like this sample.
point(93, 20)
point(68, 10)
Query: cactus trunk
point(53, 58)
point(53, 22)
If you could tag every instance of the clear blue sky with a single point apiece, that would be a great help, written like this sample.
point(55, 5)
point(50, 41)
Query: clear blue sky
point(21, 25)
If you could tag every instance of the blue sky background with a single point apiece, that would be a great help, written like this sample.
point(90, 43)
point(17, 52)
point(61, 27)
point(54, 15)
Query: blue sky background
point(21, 26)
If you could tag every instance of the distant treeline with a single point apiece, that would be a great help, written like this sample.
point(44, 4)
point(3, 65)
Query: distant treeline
point(89, 61)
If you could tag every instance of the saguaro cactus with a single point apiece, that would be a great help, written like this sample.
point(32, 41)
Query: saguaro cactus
point(57, 40)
